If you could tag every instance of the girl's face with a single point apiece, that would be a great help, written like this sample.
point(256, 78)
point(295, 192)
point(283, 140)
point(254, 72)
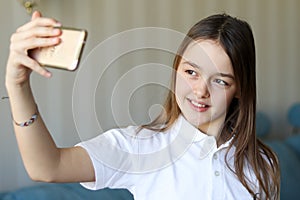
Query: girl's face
point(205, 85)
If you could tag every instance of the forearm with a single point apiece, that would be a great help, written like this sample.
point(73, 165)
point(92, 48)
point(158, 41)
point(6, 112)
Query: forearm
point(42, 159)
point(38, 150)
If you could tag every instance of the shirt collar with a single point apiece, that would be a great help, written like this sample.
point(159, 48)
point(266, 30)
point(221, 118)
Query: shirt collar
point(198, 135)
point(208, 142)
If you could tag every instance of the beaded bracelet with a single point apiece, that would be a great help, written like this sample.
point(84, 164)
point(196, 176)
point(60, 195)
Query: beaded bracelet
point(28, 122)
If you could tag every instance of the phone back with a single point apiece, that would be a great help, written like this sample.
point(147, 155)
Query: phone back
point(65, 55)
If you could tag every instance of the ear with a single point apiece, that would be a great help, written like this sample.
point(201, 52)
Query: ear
point(237, 95)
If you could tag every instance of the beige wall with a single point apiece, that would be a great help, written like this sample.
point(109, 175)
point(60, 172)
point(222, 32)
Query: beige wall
point(276, 29)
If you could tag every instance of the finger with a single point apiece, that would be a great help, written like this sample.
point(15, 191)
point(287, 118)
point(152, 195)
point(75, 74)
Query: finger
point(33, 43)
point(35, 15)
point(23, 45)
point(30, 63)
point(40, 21)
point(36, 32)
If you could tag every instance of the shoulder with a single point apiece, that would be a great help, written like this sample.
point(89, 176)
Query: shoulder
point(132, 139)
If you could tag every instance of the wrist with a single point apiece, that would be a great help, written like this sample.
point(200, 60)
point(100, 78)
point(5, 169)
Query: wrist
point(13, 87)
point(28, 122)
point(22, 104)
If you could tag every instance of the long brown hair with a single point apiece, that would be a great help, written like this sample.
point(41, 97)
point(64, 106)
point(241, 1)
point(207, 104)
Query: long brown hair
point(236, 38)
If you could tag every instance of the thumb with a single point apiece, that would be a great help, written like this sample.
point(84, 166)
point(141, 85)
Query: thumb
point(35, 14)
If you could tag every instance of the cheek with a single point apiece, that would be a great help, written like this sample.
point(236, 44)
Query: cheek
point(182, 86)
point(230, 95)
point(181, 90)
point(222, 98)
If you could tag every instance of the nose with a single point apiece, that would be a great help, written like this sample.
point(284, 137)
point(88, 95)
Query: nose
point(200, 89)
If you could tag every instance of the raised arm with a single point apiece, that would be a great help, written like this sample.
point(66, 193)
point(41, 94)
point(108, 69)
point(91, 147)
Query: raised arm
point(42, 159)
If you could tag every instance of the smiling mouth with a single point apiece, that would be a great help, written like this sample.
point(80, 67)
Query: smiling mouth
point(199, 105)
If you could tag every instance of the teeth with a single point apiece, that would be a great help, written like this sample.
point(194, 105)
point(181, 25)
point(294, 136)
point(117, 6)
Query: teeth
point(197, 104)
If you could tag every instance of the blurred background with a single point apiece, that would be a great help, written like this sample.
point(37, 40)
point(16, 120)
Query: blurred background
point(276, 29)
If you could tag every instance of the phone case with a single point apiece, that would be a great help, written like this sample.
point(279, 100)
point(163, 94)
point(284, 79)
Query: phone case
point(66, 55)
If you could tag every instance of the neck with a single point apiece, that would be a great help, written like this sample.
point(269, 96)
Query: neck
point(213, 131)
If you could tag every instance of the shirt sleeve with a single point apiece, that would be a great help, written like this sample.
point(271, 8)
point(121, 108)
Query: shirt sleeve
point(108, 153)
point(98, 167)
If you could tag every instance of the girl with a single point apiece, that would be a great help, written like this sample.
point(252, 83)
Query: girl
point(202, 146)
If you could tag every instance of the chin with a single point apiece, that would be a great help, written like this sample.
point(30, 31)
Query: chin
point(195, 120)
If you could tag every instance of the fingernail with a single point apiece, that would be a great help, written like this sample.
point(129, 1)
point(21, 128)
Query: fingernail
point(55, 30)
point(57, 24)
point(48, 74)
point(55, 39)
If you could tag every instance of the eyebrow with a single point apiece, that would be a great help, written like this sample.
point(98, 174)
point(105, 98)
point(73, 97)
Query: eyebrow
point(199, 67)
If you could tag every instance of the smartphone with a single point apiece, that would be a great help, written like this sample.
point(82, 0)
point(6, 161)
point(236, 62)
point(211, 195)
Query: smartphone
point(66, 55)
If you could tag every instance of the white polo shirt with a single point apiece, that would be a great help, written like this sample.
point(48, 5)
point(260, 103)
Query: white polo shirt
point(180, 163)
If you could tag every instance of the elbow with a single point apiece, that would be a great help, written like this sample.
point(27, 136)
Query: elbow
point(41, 172)
point(42, 177)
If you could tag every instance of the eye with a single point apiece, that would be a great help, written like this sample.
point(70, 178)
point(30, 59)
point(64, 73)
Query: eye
point(191, 72)
point(221, 82)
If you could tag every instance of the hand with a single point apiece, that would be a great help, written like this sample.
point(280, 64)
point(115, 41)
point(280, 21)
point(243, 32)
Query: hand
point(39, 32)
